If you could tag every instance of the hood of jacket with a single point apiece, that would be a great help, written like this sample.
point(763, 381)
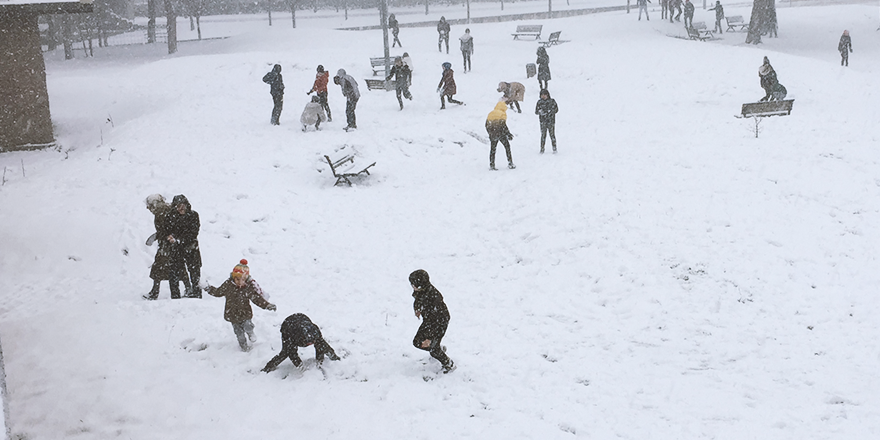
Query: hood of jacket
point(500, 112)
point(340, 72)
point(180, 198)
point(277, 68)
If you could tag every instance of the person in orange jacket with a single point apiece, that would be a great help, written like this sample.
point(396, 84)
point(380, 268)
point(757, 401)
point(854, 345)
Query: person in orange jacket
point(240, 290)
point(320, 89)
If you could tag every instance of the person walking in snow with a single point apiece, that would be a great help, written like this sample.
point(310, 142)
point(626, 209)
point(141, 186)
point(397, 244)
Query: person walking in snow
point(240, 290)
point(182, 228)
point(276, 89)
point(446, 88)
point(514, 92)
point(643, 6)
point(313, 114)
point(443, 32)
point(664, 8)
point(496, 126)
point(320, 89)
point(428, 305)
point(543, 63)
point(160, 270)
point(688, 14)
point(467, 49)
point(350, 91)
point(719, 15)
point(299, 331)
point(395, 30)
point(844, 47)
point(675, 4)
point(767, 75)
point(401, 82)
point(546, 110)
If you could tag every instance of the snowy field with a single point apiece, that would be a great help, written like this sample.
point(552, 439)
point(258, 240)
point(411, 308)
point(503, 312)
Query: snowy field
point(667, 275)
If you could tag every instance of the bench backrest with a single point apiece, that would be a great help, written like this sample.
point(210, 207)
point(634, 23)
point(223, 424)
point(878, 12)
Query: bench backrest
point(699, 25)
point(529, 28)
point(377, 61)
point(770, 107)
point(735, 19)
point(555, 35)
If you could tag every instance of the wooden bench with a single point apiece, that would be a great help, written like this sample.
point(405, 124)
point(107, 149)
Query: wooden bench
point(736, 22)
point(378, 65)
point(528, 30)
point(767, 108)
point(344, 167)
point(694, 34)
point(553, 39)
point(378, 84)
point(701, 29)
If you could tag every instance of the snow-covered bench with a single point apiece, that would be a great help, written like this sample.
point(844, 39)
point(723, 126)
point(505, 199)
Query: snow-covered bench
point(702, 30)
point(528, 30)
point(694, 34)
point(736, 22)
point(767, 108)
point(378, 84)
point(343, 165)
point(378, 65)
point(553, 39)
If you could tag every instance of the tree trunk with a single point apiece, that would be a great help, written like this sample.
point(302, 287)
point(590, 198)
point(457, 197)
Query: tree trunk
point(52, 32)
point(151, 21)
point(67, 36)
point(199, 26)
point(171, 24)
point(762, 21)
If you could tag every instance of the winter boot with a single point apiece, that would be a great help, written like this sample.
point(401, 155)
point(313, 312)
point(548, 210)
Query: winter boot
point(449, 367)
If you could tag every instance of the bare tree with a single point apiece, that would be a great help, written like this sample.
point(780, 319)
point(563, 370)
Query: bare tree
point(171, 23)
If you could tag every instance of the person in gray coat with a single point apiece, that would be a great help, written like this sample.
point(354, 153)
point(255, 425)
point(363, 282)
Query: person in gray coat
point(350, 91)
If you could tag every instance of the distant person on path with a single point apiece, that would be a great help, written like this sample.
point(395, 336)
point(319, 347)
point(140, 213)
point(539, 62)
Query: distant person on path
point(496, 126)
point(320, 89)
point(240, 290)
point(719, 15)
point(313, 114)
point(299, 331)
point(446, 88)
point(428, 305)
point(664, 8)
point(643, 6)
point(407, 61)
point(395, 30)
point(160, 270)
point(182, 226)
point(543, 62)
point(401, 76)
point(675, 4)
point(688, 14)
point(467, 49)
point(844, 47)
point(443, 31)
point(546, 110)
point(514, 92)
point(350, 91)
point(768, 78)
point(276, 89)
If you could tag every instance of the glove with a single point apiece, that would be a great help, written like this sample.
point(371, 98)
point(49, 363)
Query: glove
point(309, 92)
point(510, 137)
point(272, 308)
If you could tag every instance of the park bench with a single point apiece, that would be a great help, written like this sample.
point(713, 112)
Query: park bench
point(736, 22)
point(378, 65)
point(528, 30)
point(766, 108)
point(694, 34)
point(701, 29)
point(554, 39)
point(343, 165)
point(378, 84)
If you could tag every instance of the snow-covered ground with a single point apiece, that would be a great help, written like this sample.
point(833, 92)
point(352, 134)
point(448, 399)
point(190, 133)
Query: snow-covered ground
point(667, 275)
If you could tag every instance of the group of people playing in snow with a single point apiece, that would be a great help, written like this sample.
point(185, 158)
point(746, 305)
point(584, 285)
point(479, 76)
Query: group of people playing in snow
point(178, 260)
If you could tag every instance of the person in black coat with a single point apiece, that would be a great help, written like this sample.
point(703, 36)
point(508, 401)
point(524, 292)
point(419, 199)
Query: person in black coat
point(443, 32)
point(543, 63)
point(276, 89)
point(299, 331)
point(844, 47)
point(395, 30)
point(429, 306)
point(401, 74)
point(719, 15)
point(161, 267)
point(546, 110)
point(182, 226)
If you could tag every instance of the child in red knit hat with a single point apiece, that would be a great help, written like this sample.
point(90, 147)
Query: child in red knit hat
point(240, 290)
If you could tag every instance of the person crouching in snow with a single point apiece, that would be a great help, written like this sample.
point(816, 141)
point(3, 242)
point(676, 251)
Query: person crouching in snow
point(299, 331)
point(514, 92)
point(428, 304)
point(496, 126)
point(313, 114)
point(446, 88)
point(240, 290)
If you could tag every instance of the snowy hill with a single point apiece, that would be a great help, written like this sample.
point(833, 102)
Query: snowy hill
point(667, 275)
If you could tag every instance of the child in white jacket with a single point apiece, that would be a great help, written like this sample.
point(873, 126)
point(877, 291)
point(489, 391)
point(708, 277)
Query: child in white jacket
point(313, 114)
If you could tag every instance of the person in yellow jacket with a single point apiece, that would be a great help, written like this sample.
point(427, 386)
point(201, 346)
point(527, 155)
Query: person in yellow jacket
point(496, 126)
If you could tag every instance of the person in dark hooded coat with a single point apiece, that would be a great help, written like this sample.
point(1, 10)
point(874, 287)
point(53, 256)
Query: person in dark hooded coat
point(429, 306)
point(276, 89)
point(395, 30)
point(401, 74)
point(543, 63)
point(443, 32)
point(546, 110)
point(299, 331)
point(182, 226)
point(844, 47)
point(446, 88)
point(767, 74)
point(161, 267)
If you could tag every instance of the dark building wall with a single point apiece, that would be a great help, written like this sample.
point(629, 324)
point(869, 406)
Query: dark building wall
point(25, 121)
